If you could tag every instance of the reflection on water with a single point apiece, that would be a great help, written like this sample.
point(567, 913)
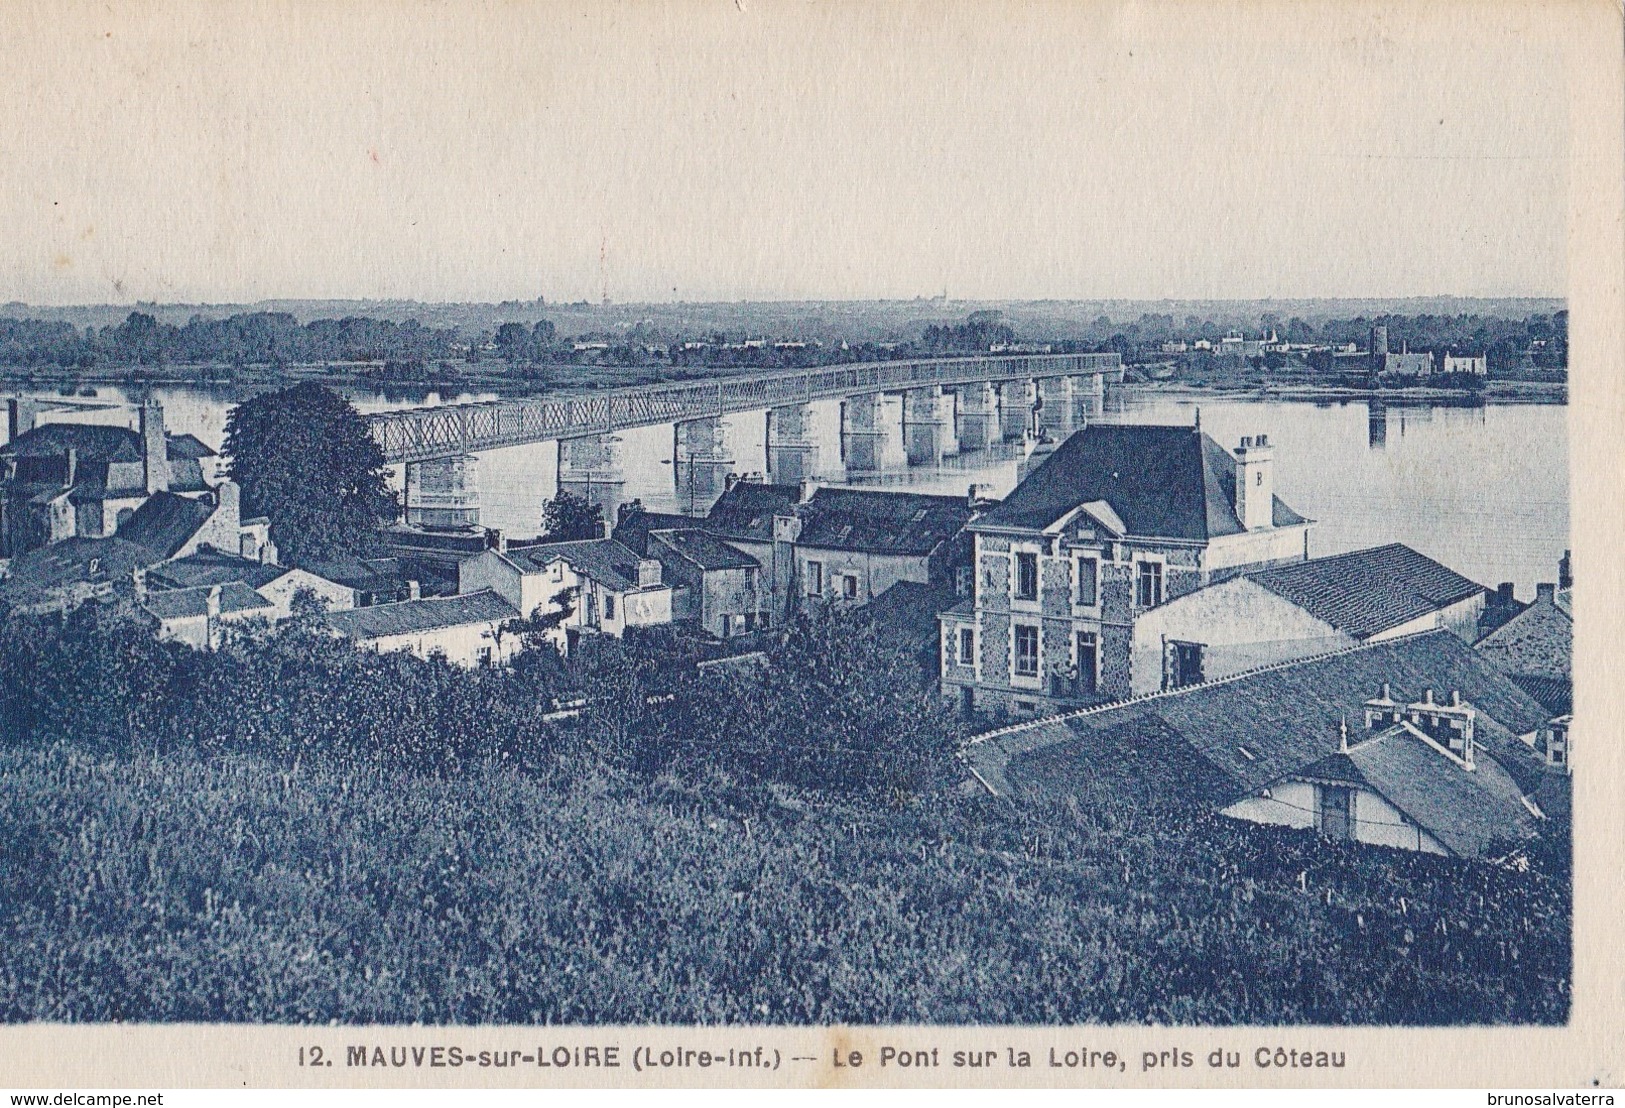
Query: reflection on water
point(1483, 489)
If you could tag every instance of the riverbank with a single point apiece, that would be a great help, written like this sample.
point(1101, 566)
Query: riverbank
point(1495, 392)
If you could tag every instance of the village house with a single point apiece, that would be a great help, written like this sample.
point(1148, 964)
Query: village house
point(174, 526)
point(199, 616)
point(465, 630)
point(1116, 522)
point(716, 586)
point(840, 546)
point(278, 585)
point(1535, 649)
point(1300, 610)
point(63, 480)
point(608, 586)
point(1415, 743)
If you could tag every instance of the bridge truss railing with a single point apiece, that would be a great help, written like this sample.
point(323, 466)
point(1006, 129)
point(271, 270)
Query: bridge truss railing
point(419, 434)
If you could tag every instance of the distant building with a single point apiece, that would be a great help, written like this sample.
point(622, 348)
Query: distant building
point(199, 616)
point(1415, 743)
point(1117, 522)
point(715, 585)
point(1299, 610)
point(465, 630)
point(278, 585)
point(1477, 365)
point(81, 480)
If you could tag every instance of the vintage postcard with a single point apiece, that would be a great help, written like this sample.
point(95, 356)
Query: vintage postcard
point(805, 545)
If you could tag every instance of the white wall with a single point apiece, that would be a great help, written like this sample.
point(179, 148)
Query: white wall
point(1242, 625)
point(1373, 819)
point(339, 598)
point(460, 644)
point(1461, 619)
point(1274, 544)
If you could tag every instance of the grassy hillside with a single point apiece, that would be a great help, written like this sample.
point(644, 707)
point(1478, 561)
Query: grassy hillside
point(172, 866)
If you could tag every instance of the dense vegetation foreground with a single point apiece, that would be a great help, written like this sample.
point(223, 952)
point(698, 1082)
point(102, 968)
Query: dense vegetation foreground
point(289, 831)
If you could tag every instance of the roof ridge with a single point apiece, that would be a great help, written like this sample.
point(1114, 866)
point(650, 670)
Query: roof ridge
point(1163, 694)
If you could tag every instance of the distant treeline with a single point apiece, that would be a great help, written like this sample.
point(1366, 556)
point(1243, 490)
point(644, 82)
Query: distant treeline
point(412, 350)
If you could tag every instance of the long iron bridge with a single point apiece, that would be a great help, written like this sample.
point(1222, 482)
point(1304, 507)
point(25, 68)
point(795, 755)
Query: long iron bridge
point(448, 430)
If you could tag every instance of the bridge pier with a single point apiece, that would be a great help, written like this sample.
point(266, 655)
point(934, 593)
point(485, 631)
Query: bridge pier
point(590, 467)
point(700, 464)
point(443, 493)
point(792, 451)
point(872, 433)
point(928, 425)
point(979, 425)
point(1057, 406)
point(1016, 401)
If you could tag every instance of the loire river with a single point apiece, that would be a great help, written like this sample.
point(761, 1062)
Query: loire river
point(1484, 490)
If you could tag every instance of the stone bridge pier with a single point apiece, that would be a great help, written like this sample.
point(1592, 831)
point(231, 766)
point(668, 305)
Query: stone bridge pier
point(872, 433)
point(792, 449)
point(443, 493)
point(979, 425)
point(928, 425)
point(1058, 407)
point(700, 464)
point(591, 468)
point(1016, 401)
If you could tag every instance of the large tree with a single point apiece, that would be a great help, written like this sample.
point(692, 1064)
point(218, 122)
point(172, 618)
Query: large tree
point(306, 461)
point(568, 517)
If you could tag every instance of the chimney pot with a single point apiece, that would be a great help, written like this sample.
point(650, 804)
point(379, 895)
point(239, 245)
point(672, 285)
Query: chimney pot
point(1427, 698)
point(1386, 695)
point(1455, 698)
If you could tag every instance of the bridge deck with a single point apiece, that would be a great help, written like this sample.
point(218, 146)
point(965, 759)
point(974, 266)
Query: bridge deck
point(419, 434)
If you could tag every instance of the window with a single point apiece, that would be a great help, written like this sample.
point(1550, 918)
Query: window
point(1148, 591)
point(1026, 576)
point(1088, 661)
point(609, 605)
point(1185, 664)
point(483, 655)
point(1026, 651)
point(967, 646)
point(1087, 593)
point(849, 587)
point(558, 570)
point(815, 578)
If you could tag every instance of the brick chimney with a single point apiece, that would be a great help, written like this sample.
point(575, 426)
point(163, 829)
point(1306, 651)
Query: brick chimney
point(154, 447)
point(1255, 483)
point(1449, 725)
point(1546, 593)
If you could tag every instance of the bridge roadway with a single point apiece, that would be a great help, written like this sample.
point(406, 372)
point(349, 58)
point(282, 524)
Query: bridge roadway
point(450, 430)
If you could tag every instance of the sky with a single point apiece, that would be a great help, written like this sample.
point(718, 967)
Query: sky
point(224, 152)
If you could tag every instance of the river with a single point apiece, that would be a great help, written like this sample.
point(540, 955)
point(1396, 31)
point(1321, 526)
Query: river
point(1482, 489)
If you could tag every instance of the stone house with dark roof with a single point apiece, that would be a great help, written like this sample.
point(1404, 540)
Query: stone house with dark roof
point(64, 480)
point(199, 616)
point(1535, 649)
point(1296, 611)
point(1415, 743)
point(465, 630)
point(1116, 522)
point(715, 585)
point(612, 586)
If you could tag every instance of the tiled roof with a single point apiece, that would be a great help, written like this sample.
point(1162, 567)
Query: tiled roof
point(113, 443)
point(879, 522)
point(1258, 727)
point(633, 529)
point(1366, 592)
point(906, 612)
point(69, 562)
point(1538, 641)
point(705, 551)
point(746, 511)
point(1164, 482)
point(1466, 811)
point(182, 603)
point(609, 563)
point(429, 614)
point(213, 567)
point(378, 576)
point(166, 521)
point(1555, 694)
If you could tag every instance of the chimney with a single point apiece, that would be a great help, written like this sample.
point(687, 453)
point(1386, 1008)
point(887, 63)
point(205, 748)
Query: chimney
point(1546, 592)
point(1504, 594)
point(648, 573)
point(1565, 572)
point(1450, 725)
point(413, 591)
point(1255, 483)
point(1381, 711)
point(21, 412)
point(805, 490)
point(72, 474)
point(138, 577)
point(212, 604)
point(228, 500)
point(154, 447)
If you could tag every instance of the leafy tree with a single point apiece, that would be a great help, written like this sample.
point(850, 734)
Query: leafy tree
point(306, 461)
point(567, 518)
